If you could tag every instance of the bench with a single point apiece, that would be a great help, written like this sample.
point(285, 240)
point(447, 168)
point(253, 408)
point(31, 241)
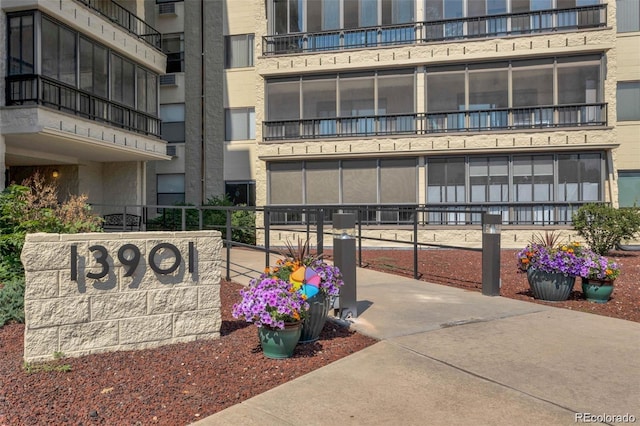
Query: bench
point(113, 222)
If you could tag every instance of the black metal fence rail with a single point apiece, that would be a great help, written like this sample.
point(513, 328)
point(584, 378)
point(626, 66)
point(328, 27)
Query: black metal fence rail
point(34, 89)
point(126, 20)
point(520, 118)
point(316, 221)
point(498, 25)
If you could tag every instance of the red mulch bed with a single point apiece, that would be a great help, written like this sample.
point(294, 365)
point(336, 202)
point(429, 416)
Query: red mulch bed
point(173, 385)
point(462, 269)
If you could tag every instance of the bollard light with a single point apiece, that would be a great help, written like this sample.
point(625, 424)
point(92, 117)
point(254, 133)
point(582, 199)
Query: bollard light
point(491, 228)
point(344, 257)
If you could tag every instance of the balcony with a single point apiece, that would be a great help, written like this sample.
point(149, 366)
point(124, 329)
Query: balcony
point(533, 22)
point(126, 20)
point(39, 90)
point(472, 121)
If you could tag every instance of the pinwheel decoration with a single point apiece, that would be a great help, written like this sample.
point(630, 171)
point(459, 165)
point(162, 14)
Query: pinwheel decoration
point(307, 280)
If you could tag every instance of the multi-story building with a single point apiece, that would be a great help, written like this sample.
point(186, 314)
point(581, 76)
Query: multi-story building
point(527, 108)
point(80, 84)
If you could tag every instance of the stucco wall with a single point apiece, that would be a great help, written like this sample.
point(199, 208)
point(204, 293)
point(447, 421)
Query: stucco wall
point(118, 312)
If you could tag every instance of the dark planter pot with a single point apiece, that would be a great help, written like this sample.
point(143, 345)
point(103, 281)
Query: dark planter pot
point(550, 286)
point(278, 343)
point(316, 317)
point(597, 291)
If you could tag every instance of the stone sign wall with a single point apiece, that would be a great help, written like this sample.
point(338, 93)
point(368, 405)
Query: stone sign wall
point(100, 292)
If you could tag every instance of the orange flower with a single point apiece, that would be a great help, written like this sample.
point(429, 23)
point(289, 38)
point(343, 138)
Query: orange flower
point(524, 260)
point(296, 315)
point(608, 272)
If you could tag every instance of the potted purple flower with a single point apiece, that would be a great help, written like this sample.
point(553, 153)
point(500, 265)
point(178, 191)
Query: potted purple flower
point(277, 309)
point(551, 268)
point(598, 277)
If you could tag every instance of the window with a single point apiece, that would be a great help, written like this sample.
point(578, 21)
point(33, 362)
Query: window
point(386, 181)
point(628, 101)
point(446, 180)
point(173, 47)
point(238, 51)
point(122, 80)
point(172, 128)
point(629, 188)
point(489, 179)
point(240, 124)
point(94, 68)
point(21, 58)
point(170, 189)
point(628, 15)
point(241, 192)
point(147, 90)
point(579, 177)
point(58, 52)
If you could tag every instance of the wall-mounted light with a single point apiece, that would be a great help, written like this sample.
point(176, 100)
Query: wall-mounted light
point(55, 174)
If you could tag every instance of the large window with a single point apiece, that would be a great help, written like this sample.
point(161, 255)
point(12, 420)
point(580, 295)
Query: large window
point(240, 124)
point(573, 82)
point(628, 101)
point(348, 100)
point(173, 47)
point(241, 192)
point(367, 181)
point(238, 51)
point(21, 57)
point(94, 68)
point(170, 189)
point(629, 188)
point(58, 52)
point(628, 15)
point(172, 116)
point(293, 16)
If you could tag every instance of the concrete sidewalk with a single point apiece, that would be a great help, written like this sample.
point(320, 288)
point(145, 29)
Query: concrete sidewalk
point(452, 357)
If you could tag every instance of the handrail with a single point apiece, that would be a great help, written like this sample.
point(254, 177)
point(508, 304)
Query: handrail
point(518, 118)
point(27, 89)
point(538, 21)
point(126, 20)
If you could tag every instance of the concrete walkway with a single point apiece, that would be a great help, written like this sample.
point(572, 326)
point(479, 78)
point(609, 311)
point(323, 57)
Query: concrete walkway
point(452, 357)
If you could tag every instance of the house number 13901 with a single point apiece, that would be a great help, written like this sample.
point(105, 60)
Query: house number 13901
point(130, 262)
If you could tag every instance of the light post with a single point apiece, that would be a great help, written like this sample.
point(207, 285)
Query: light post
point(344, 257)
point(491, 228)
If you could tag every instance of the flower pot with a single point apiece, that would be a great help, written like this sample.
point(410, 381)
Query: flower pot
point(278, 343)
point(550, 286)
point(316, 317)
point(597, 291)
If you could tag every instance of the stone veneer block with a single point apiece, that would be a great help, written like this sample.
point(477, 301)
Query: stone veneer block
point(146, 309)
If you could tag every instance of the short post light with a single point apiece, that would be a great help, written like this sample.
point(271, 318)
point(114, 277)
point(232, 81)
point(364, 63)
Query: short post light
point(491, 228)
point(344, 257)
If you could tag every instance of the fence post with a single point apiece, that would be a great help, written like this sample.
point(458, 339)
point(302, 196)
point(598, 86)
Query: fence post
point(491, 227)
point(184, 218)
point(266, 219)
point(228, 242)
point(415, 244)
point(320, 231)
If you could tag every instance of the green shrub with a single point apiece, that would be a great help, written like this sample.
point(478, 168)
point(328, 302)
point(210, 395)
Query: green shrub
point(12, 301)
point(243, 222)
point(33, 207)
point(603, 226)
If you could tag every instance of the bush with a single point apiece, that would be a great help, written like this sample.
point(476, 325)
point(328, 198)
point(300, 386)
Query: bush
point(243, 222)
point(603, 226)
point(12, 301)
point(33, 207)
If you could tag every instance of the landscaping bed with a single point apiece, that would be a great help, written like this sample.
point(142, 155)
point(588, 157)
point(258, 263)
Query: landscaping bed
point(172, 385)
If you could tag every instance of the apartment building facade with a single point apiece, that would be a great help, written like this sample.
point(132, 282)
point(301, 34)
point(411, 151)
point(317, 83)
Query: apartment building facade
point(80, 105)
point(526, 108)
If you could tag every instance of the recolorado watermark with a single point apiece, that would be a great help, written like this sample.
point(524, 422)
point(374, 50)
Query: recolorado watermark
point(604, 418)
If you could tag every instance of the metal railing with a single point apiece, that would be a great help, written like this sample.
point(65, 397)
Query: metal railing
point(126, 20)
point(536, 117)
point(35, 89)
point(314, 222)
point(532, 22)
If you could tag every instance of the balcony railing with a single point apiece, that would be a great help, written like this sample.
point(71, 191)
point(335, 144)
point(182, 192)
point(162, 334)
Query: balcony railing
point(540, 117)
point(539, 21)
point(125, 19)
point(39, 90)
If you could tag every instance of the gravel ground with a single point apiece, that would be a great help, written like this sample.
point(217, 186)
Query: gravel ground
point(173, 385)
point(179, 384)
